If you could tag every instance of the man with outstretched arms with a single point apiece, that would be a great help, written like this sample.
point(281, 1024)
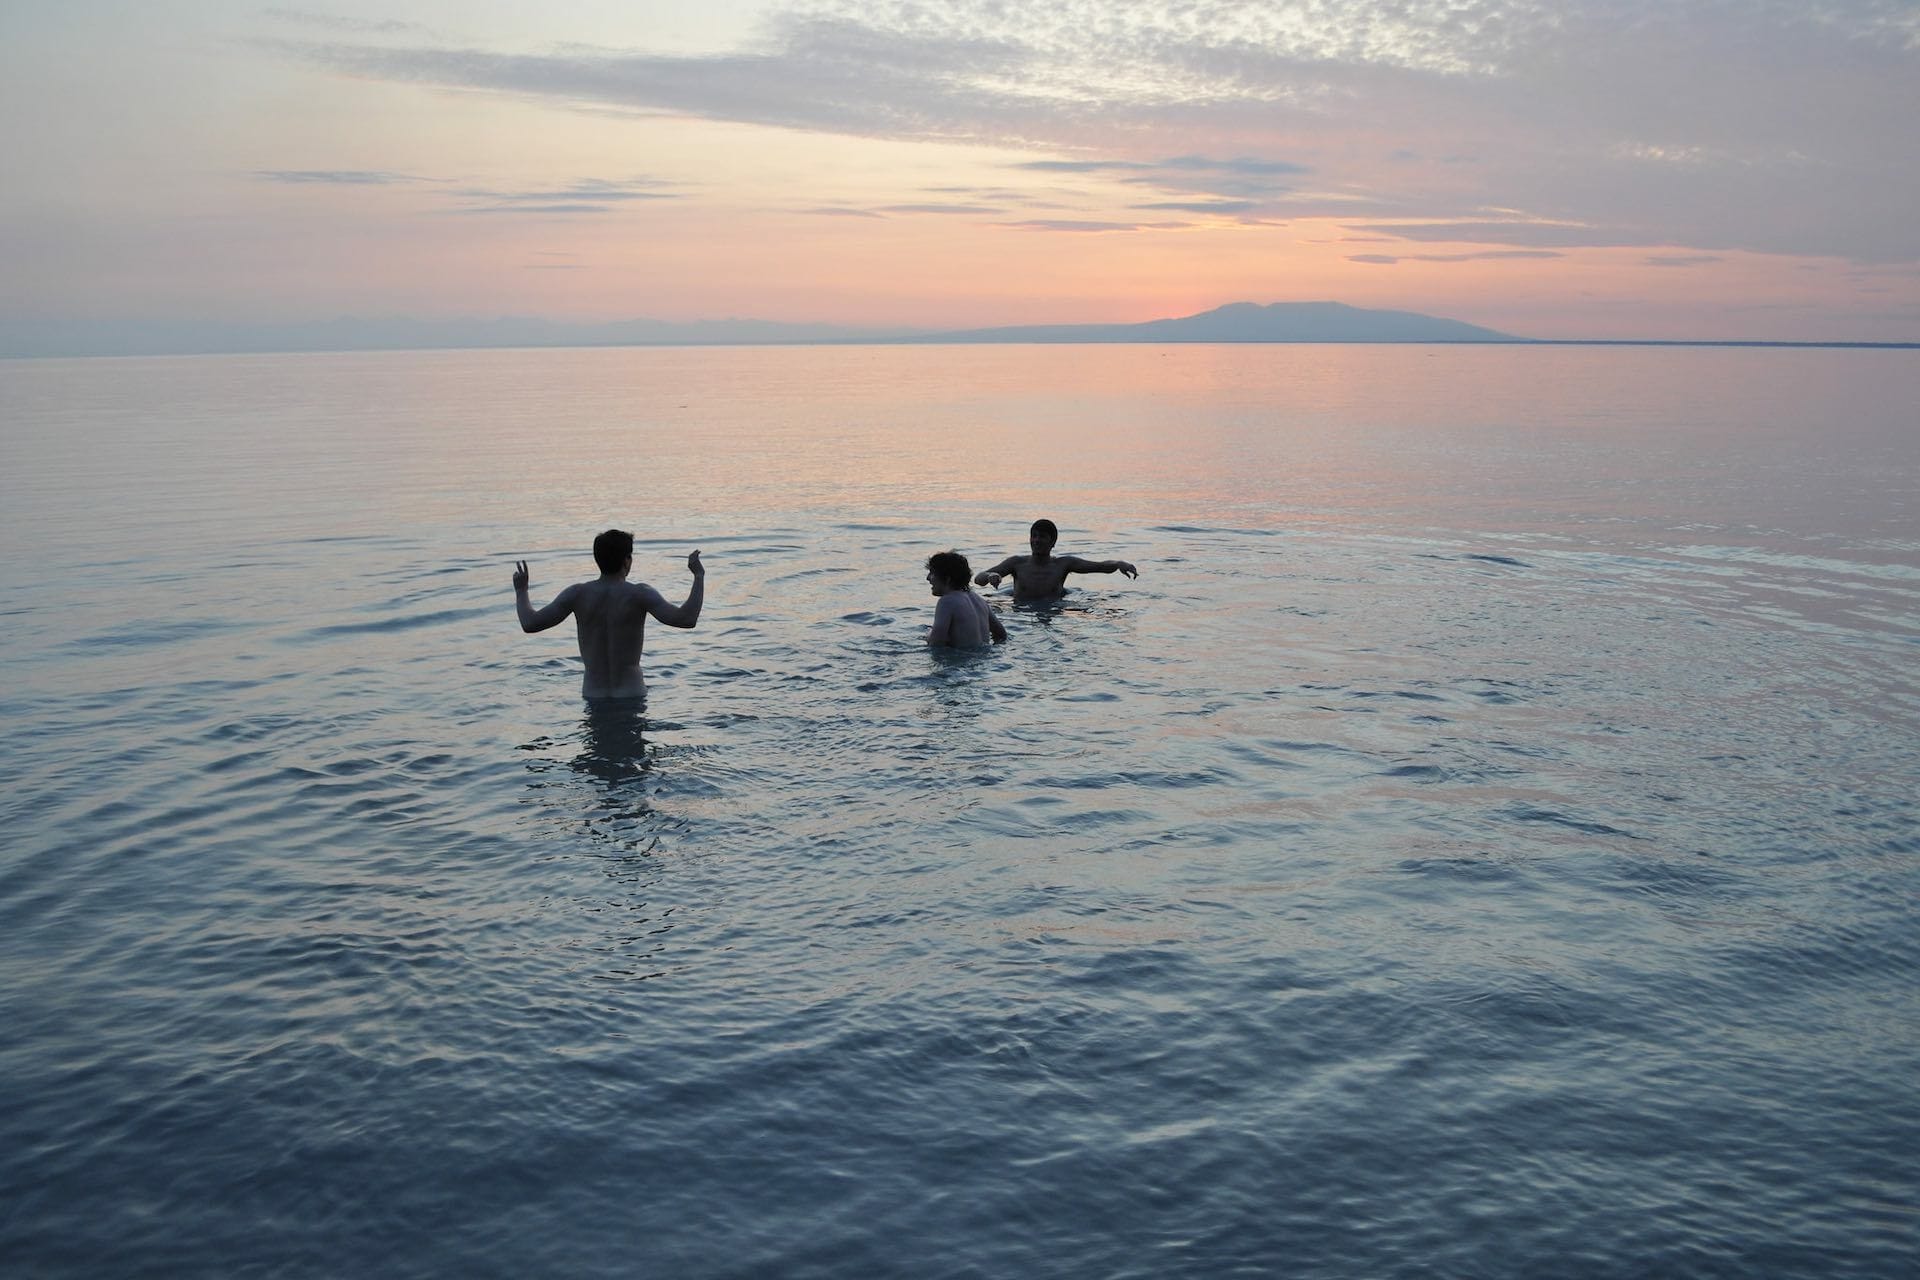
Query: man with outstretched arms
point(1043, 574)
point(610, 614)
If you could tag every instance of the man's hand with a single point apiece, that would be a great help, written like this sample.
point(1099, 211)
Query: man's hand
point(1128, 569)
point(694, 566)
point(986, 578)
point(520, 575)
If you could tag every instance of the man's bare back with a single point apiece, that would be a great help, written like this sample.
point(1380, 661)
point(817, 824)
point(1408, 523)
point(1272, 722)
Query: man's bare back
point(961, 618)
point(1042, 575)
point(610, 616)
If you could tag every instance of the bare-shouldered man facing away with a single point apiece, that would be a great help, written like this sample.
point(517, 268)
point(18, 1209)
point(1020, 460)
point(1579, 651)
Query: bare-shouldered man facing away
point(1043, 574)
point(961, 619)
point(610, 614)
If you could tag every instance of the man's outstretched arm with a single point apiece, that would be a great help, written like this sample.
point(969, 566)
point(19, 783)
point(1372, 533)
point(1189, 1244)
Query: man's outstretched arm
point(532, 619)
point(991, 577)
point(1076, 565)
point(688, 614)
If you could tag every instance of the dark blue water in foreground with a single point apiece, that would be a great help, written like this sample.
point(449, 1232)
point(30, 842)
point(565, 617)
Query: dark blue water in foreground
point(1483, 842)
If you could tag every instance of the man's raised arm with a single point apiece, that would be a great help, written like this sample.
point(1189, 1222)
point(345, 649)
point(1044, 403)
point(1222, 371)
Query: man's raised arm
point(688, 614)
point(991, 577)
point(532, 619)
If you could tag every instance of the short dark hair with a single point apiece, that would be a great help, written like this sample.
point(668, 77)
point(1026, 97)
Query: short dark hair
point(612, 549)
point(1046, 528)
point(951, 568)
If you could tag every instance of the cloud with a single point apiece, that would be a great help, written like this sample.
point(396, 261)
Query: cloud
point(1682, 260)
point(1490, 255)
point(1623, 122)
point(1200, 206)
point(333, 22)
point(1084, 166)
point(1554, 235)
point(1089, 225)
point(562, 207)
point(941, 208)
point(1150, 170)
point(1240, 165)
point(336, 177)
point(586, 195)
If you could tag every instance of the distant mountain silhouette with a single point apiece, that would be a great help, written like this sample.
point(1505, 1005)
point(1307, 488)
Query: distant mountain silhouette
point(1249, 322)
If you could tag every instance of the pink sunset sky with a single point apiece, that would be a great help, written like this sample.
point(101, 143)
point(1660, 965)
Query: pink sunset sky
point(1674, 170)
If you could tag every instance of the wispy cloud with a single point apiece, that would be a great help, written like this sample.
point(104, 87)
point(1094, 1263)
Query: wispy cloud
point(1629, 122)
point(1200, 206)
point(1080, 225)
point(587, 195)
point(973, 209)
point(1490, 255)
point(561, 207)
point(1681, 259)
point(337, 177)
point(335, 22)
point(1534, 235)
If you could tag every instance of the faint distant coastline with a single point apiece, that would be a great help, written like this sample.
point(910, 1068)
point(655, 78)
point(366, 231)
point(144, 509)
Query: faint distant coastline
point(156, 338)
point(1248, 322)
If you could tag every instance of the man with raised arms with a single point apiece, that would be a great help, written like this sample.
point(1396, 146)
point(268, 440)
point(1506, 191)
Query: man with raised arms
point(610, 614)
point(961, 619)
point(1043, 574)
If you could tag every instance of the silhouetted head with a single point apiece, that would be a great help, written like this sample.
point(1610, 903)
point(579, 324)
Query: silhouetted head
point(1042, 537)
point(613, 550)
point(948, 571)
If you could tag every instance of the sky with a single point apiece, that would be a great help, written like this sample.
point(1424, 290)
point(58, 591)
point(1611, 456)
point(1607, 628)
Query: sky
point(1734, 169)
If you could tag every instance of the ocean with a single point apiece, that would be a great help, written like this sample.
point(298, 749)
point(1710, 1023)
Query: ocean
point(1483, 841)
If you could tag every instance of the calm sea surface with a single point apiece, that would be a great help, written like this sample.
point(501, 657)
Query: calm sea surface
point(1483, 842)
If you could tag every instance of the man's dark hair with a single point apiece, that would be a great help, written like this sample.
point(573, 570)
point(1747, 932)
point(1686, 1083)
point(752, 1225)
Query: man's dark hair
point(951, 568)
point(1046, 529)
point(612, 549)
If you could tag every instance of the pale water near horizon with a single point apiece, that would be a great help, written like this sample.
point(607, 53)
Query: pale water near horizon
point(1482, 842)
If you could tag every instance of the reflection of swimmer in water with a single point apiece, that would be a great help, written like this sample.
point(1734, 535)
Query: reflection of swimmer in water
point(610, 614)
point(613, 741)
point(1043, 574)
point(961, 619)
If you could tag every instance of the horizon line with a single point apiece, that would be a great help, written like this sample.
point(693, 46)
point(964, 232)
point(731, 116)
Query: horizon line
point(1782, 343)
